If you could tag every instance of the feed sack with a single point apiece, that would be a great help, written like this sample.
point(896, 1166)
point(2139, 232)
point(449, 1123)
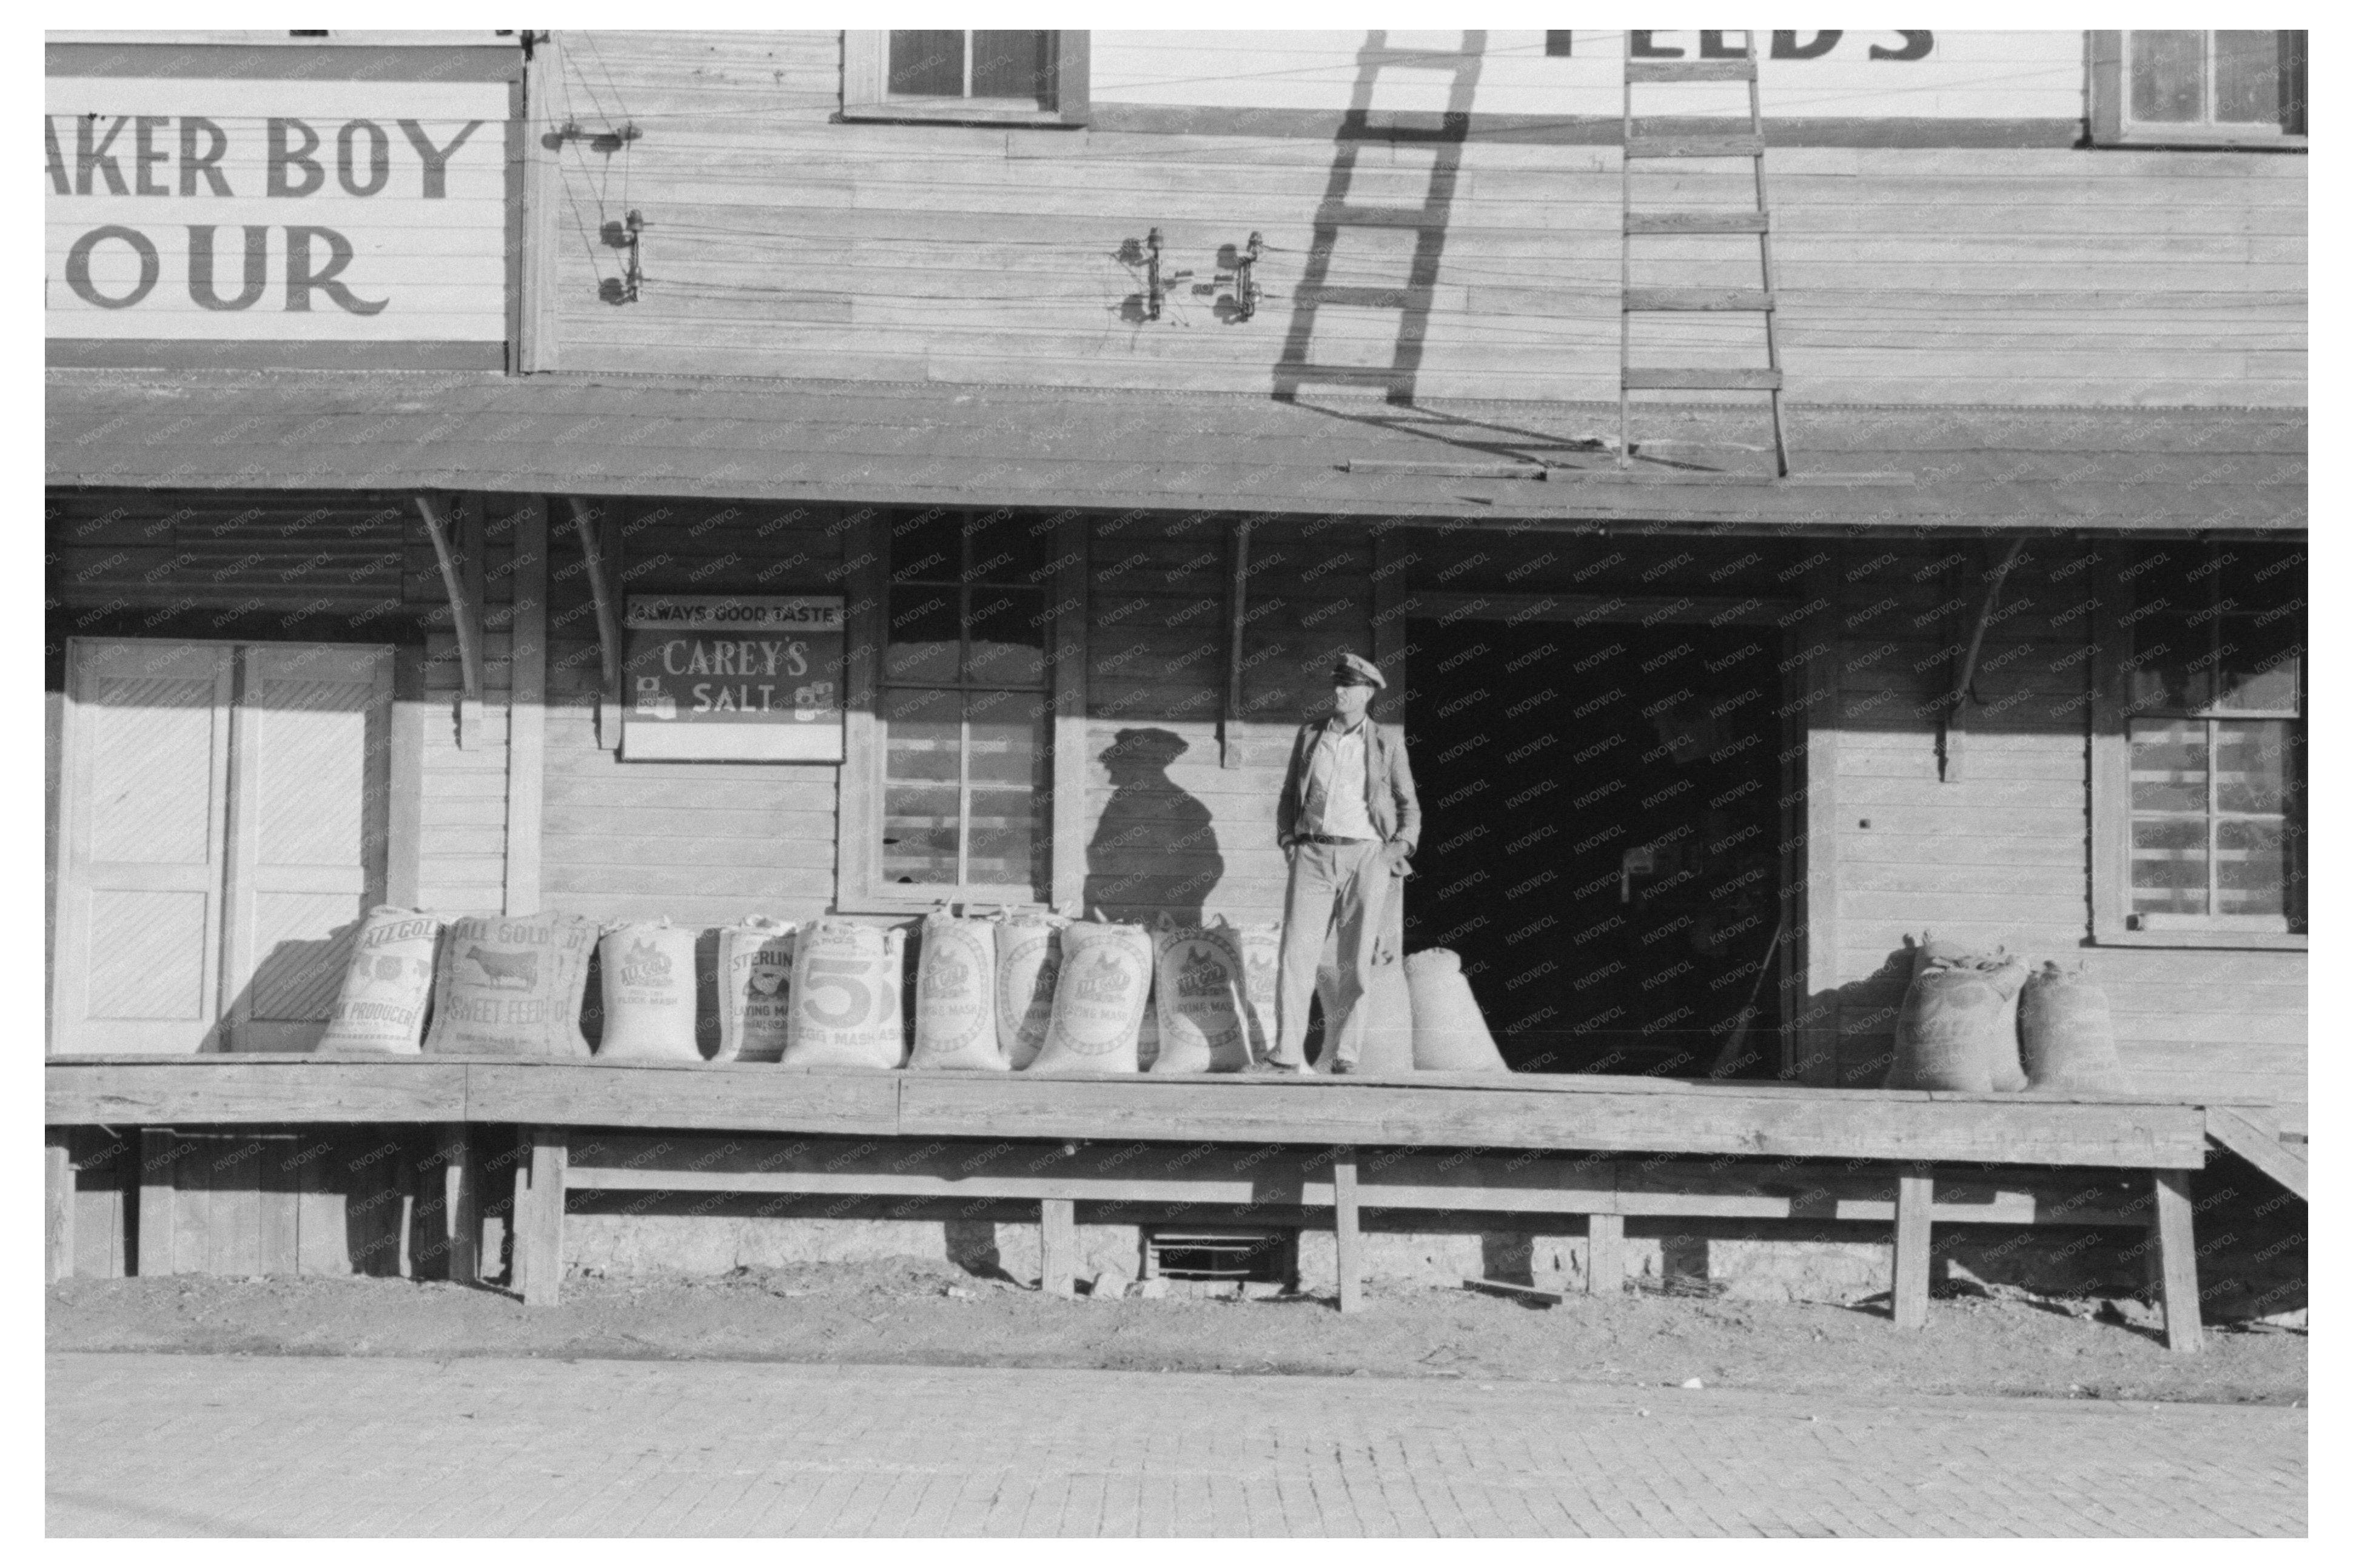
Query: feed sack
point(649, 979)
point(955, 996)
point(1450, 1032)
point(1029, 958)
point(845, 1007)
point(1099, 999)
point(755, 988)
point(1953, 1025)
point(2065, 1035)
point(387, 985)
point(508, 986)
point(1944, 952)
point(1261, 948)
point(1198, 986)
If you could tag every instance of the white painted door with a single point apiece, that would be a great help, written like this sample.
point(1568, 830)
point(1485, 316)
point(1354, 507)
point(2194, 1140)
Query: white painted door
point(142, 818)
point(307, 814)
point(223, 816)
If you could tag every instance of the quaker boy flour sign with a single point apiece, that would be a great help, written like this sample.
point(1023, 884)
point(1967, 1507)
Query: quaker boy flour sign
point(313, 214)
point(722, 676)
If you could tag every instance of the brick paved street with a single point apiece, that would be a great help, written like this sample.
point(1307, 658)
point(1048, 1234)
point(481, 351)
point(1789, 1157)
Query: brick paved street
point(171, 1445)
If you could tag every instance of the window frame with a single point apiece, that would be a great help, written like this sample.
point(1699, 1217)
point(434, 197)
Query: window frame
point(865, 71)
point(2108, 98)
point(2115, 922)
point(859, 887)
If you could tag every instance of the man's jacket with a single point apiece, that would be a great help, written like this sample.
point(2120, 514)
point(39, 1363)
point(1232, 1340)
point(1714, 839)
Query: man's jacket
point(1390, 802)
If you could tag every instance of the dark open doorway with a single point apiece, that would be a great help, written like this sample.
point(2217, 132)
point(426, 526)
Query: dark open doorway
point(1601, 838)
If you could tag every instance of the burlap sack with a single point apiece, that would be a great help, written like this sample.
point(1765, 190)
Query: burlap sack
point(1099, 999)
point(845, 1000)
point(2003, 1066)
point(1261, 948)
point(647, 970)
point(387, 984)
point(1450, 1032)
point(1029, 958)
point(955, 996)
point(1196, 986)
point(2066, 1035)
point(755, 990)
point(511, 985)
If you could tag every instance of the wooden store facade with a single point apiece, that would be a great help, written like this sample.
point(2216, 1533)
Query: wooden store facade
point(1062, 403)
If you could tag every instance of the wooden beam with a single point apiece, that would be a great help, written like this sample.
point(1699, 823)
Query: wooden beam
point(536, 337)
point(461, 1205)
point(527, 711)
point(1605, 1254)
point(1058, 1245)
point(158, 1157)
point(404, 832)
point(215, 1090)
point(1237, 602)
point(1068, 869)
point(465, 613)
point(539, 1227)
point(2230, 1128)
point(1914, 1188)
point(608, 626)
point(690, 1096)
point(2176, 1250)
point(58, 1227)
point(1349, 1240)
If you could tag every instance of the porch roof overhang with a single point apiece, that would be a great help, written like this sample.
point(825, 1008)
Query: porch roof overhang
point(1975, 469)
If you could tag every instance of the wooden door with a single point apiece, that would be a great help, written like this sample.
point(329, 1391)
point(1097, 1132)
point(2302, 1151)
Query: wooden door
point(307, 819)
point(142, 818)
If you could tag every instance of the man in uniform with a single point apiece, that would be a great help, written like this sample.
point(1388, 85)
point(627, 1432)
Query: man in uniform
point(1347, 821)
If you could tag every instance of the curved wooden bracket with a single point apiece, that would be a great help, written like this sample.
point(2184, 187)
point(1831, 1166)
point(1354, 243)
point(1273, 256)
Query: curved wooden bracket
point(467, 616)
point(608, 627)
point(1951, 724)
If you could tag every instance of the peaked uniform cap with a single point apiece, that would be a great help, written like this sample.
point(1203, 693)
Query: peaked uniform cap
point(1349, 669)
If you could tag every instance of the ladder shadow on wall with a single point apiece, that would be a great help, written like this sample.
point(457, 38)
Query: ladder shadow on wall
point(1344, 210)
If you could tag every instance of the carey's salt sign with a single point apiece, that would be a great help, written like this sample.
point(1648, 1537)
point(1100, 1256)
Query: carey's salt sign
point(721, 677)
point(289, 207)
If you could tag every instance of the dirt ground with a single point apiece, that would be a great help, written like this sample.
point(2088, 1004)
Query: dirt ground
point(922, 1313)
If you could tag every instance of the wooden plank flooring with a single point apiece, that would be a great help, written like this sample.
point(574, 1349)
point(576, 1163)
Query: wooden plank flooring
point(1452, 1110)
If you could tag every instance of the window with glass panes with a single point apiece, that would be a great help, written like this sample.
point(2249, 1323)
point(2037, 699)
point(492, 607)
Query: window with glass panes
point(2214, 83)
point(1018, 67)
point(967, 708)
point(2214, 700)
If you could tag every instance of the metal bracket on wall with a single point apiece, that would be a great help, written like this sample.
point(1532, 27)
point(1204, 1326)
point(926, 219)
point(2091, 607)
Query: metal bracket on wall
point(1243, 273)
point(467, 617)
point(608, 628)
point(626, 234)
point(1951, 724)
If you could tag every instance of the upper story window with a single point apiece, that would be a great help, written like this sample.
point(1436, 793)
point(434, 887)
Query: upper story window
point(965, 75)
point(2210, 87)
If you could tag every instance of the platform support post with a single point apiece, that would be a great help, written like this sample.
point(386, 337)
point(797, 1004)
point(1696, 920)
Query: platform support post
point(1058, 1245)
point(461, 1205)
point(1605, 1254)
point(2178, 1259)
point(539, 1236)
point(158, 1154)
point(1349, 1241)
point(1914, 1188)
point(58, 1210)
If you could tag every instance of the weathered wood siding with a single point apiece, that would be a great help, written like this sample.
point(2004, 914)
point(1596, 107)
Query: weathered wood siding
point(704, 843)
point(302, 566)
point(2002, 852)
point(784, 245)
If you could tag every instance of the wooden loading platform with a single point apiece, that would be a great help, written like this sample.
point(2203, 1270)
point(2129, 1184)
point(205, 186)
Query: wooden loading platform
point(1604, 1148)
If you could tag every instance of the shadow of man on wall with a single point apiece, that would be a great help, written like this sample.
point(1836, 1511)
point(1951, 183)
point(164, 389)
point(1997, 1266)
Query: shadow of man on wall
point(1156, 847)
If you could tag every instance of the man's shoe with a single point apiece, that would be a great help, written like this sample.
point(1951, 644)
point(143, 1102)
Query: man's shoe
point(1343, 1069)
point(1276, 1070)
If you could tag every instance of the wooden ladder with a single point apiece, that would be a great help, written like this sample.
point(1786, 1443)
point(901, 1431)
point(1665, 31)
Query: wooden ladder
point(1633, 302)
